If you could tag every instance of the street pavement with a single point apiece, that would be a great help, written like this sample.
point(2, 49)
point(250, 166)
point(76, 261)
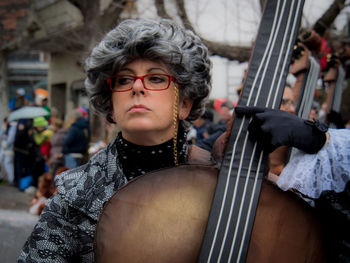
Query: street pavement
point(16, 223)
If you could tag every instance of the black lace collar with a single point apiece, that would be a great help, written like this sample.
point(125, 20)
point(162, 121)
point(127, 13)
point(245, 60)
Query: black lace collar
point(136, 160)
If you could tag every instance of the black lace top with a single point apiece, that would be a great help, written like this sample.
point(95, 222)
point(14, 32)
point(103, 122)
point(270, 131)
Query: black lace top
point(136, 160)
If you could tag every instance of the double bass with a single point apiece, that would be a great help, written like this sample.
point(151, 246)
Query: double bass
point(200, 213)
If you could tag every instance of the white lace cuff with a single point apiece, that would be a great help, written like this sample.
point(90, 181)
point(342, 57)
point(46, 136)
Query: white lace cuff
point(329, 169)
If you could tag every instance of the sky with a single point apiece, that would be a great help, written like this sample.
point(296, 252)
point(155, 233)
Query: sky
point(235, 22)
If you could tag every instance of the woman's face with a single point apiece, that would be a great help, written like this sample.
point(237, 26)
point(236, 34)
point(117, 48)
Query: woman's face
point(146, 116)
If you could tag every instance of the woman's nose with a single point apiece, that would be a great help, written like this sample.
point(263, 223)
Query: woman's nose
point(138, 86)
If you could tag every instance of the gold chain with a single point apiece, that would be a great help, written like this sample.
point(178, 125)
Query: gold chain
point(175, 113)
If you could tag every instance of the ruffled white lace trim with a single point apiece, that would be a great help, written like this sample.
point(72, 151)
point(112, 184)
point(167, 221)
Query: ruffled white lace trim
point(329, 169)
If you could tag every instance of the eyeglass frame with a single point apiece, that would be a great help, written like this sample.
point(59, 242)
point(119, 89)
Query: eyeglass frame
point(170, 79)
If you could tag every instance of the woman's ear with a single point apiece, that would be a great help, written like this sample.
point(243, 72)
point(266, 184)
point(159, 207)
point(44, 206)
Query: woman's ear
point(110, 118)
point(185, 106)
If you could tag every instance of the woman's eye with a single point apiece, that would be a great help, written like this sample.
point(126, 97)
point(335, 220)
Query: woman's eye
point(124, 80)
point(156, 79)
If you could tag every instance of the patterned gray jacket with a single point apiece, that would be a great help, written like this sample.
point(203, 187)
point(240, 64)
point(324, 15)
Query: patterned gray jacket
point(66, 227)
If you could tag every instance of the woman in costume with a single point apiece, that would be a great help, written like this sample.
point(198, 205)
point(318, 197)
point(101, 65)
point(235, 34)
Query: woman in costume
point(152, 78)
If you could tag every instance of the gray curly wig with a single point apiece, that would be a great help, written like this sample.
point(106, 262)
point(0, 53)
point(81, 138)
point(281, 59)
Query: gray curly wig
point(179, 49)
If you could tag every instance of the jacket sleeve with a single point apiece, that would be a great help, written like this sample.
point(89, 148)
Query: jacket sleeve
point(68, 140)
point(57, 237)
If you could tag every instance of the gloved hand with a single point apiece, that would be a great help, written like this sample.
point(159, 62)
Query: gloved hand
point(274, 128)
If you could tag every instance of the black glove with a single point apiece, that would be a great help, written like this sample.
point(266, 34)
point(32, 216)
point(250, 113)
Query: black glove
point(274, 128)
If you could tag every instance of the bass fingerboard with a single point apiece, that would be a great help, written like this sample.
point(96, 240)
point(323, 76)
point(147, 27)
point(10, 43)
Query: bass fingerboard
point(237, 192)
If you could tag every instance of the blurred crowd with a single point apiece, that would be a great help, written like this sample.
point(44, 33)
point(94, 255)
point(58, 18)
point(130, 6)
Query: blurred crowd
point(207, 128)
point(36, 148)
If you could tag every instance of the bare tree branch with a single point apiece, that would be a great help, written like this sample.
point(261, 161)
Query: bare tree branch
point(161, 9)
point(181, 10)
point(90, 11)
point(230, 52)
point(86, 36)
point(325, 21)
point(262, 5)
point(239, 53)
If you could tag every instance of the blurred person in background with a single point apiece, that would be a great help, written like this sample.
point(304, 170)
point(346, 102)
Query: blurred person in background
point(57, 140)
point(202, 124)
point(42, 100)
point(42, 138)
point(3, 137)
point(75, 144)
point(20, 100)
point(226, 110)
point(24, 149)
point(8, 135)
point(54, 114)
point(215, 130)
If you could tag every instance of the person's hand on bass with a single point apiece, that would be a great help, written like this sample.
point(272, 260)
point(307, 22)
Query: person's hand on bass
point(273, 128)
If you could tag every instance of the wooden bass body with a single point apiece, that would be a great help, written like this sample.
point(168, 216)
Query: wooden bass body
point(162, 217)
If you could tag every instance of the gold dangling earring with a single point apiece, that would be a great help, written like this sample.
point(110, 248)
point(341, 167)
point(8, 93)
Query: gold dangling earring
point(175, 112)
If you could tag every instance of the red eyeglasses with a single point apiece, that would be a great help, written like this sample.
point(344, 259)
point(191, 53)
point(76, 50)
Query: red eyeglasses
point(156, 82)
